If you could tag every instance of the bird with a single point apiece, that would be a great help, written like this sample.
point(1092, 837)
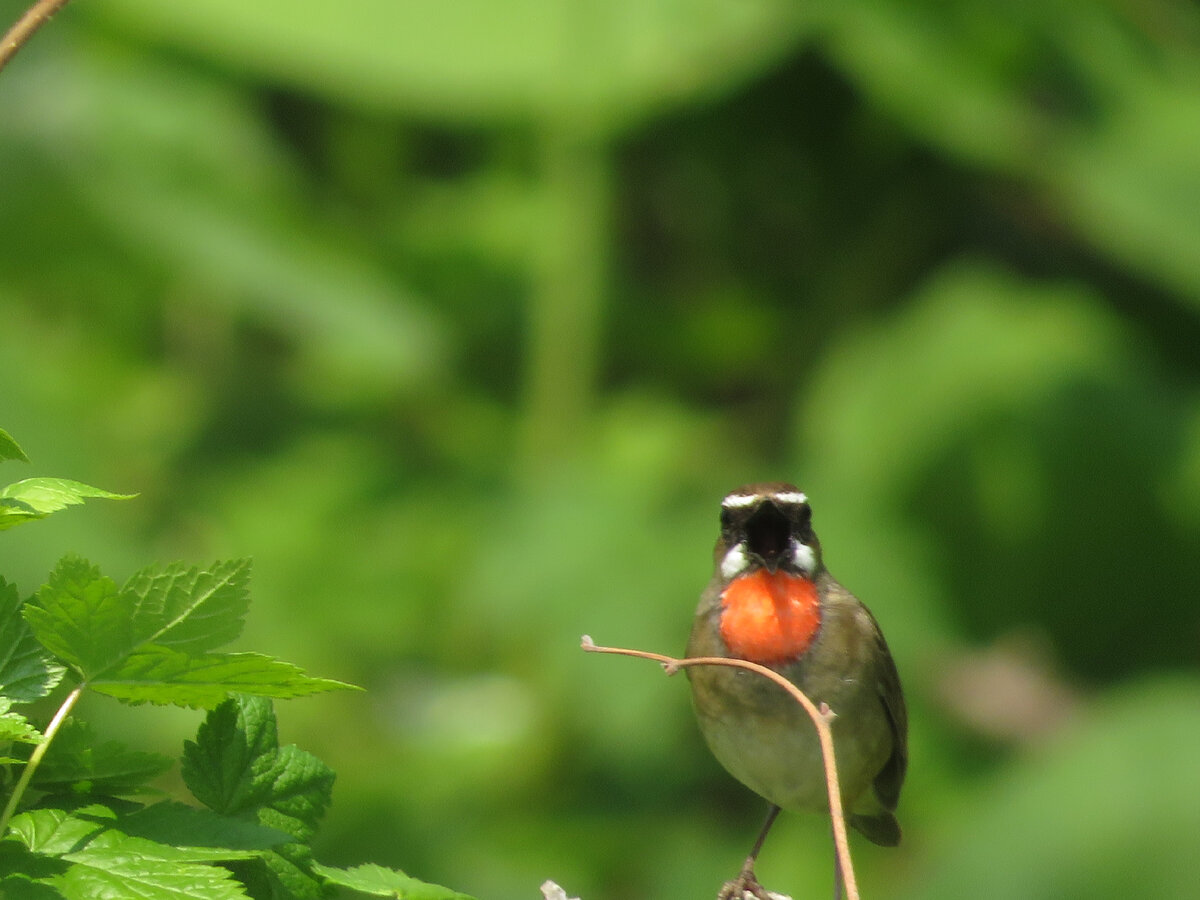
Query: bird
point(772, 601)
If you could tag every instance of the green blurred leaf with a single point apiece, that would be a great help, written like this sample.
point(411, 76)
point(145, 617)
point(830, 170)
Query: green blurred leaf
point(475, 59)
point(36, 498)
point(9, 449)
point(27, 672)
point(1071, 97)
point(975, 341)
point(379, 881)
point(1107, 809)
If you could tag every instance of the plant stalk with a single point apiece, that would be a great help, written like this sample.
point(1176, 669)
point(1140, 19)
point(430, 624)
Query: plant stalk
point(35, 758)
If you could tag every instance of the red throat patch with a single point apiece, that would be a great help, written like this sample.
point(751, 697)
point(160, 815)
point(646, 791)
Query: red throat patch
point(769, 619)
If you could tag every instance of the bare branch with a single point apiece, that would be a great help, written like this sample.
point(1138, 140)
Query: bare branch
point(33, 19)
point(821, 719)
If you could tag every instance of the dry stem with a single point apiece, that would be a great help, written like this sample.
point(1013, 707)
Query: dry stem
point(820, 717)
point(33, 19)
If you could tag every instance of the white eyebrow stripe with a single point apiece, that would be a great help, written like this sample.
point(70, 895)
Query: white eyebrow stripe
point(794, 498)
point(737, 501)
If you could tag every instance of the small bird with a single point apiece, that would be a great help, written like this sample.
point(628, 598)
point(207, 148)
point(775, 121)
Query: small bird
point(772, 601)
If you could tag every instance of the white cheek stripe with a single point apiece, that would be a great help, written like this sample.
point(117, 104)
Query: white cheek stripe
point(737, 501)
point(735, 561)
point(803, 557)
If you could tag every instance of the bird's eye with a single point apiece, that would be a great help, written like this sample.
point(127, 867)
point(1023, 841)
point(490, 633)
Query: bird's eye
point(726, 520)
point(804, 521)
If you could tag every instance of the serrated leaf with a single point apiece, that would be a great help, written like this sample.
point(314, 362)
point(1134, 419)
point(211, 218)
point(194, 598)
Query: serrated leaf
point(108, 863)
point(100, 875)
point(179, 825)
point(27, 671)
point(217, 766)
point(192, 610)
point(15, 727)
point(162, 675)
point(236, 767)
point(76, 763)
point(383, 882)
point(81, 617)
point(141, 644)
point(36, 498)
point(290, 876)
point(293, 791)
point(9, 449)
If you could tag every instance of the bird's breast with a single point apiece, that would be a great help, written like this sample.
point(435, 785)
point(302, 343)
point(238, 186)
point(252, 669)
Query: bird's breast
point(769, 618)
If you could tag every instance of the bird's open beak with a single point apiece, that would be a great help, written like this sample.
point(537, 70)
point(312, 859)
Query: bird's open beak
point(767, 534)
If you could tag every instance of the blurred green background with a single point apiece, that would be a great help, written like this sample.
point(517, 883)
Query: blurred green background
point(461, 317)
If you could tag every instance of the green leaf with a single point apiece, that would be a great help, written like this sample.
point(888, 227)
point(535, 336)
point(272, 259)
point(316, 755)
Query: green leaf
point(36, 498)
point(217, 766)
point(52, 832)
point(141, 644)
point(179, 825)
point(293, 791)
point(163, 675)
point(18, 887)
point(108, 863)
point(191, 609)
point(76, 763)
point(481, 59)
point(27, 671)
point(9, 449)
point(289, 874)
point(81, 617)
point(236, 767)
point(120, 871)
point(15, 727)
point(382, 882)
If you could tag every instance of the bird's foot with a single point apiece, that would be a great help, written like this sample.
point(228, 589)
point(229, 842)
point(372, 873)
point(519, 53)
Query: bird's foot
point(745, 887)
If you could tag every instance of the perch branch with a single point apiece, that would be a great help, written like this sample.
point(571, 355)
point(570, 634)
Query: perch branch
point(821, 718)
point(33, 19)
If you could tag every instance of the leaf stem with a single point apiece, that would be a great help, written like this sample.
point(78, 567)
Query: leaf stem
point(33, 19)
point(35, 758)
point(821, 718)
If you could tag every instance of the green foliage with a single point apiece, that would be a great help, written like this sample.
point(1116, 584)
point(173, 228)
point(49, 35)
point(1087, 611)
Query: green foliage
point(146, 642)
point(377, 881)
point(36, 498)
point(27, 672)
point(71, 828)
point(462, 317)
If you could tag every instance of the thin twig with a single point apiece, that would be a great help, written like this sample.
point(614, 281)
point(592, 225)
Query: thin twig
point(35, 17)
point(820, 717)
